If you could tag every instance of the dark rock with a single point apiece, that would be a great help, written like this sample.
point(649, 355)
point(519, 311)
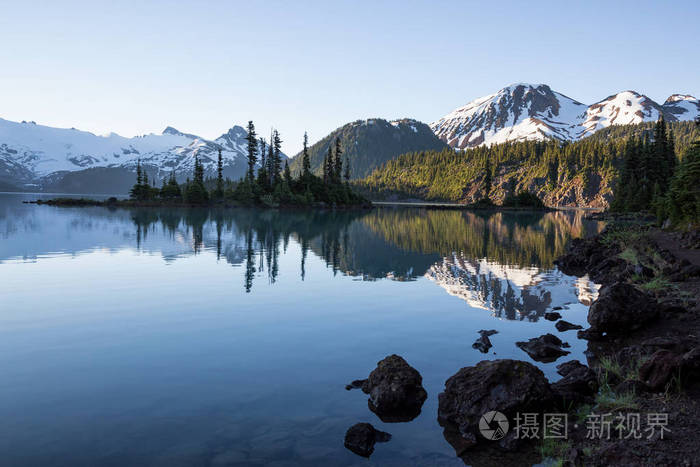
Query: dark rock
point(610, 270)
point(508, 386)
point(690, 365)
point(483, 344)
point(669, 305)
point(546, 348)
point(557, 308)
point(661, 342)
point(552, 316)
point(656, 372)
point(361, 437)
point(589, 334)
point(566, 326)
point(395, 390)
point(621, 307)
point(686, 272)
point(357, 384)
point(579, 383)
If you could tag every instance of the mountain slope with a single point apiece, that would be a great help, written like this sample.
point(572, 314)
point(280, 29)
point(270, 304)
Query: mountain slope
point(370, 143)
point(579, 174)
point(522, 112)
point(69, 159)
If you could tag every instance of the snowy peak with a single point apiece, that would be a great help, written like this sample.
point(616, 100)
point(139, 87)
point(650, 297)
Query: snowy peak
point(680, 97)
point(517, 112)
point(624, 108)
point(682, 107)
point(523, 111)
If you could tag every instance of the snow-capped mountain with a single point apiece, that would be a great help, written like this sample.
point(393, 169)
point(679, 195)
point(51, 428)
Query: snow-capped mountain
point(510, 292)
point(534, 111)
point(41, 155)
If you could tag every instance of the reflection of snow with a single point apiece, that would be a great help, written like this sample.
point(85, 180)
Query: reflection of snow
point(510, 292)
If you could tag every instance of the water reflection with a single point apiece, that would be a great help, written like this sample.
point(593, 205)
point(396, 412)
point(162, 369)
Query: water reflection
point(501, 262)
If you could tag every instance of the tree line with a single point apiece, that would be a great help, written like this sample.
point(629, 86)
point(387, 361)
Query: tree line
point(268, 180)
point(648, 167)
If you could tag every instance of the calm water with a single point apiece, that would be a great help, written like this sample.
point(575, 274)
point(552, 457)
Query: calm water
point(190, 337)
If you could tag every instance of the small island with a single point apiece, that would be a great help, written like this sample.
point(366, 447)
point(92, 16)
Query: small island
point(266, 184)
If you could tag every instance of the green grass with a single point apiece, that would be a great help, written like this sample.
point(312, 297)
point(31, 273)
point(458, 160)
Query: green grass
point(629, 255)
point(607, 400)
point(554, 449)
point(656, 284)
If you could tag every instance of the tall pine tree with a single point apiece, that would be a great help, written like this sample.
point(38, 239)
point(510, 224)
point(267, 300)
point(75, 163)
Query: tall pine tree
point(252, 151)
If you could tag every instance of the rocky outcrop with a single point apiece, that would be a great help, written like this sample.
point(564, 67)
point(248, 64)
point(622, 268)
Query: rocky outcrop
point(361, 438)
point(508, 386)
point(546, 348)
point(621, 308)
point(579, 383)
point(395, 389)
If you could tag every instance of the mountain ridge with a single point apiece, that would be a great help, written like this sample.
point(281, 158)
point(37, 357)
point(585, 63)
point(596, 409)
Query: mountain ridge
point(40, 156)
point(523, 111)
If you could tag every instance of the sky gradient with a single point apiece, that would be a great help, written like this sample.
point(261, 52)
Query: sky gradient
point(202, 67)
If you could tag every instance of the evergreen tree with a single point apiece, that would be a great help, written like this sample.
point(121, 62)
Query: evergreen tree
point(337, 163)
point(306, 162)
point(252, 151)
point(220, 176)
point(287, 174)
point(347, 171)
point(276, 156)
point(487, 178)
point(262, 171)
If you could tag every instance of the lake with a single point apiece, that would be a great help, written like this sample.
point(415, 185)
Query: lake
point(194, 337)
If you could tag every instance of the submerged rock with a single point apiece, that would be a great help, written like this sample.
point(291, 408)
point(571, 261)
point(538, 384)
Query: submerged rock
point(508, 386)
point(483, 343)
point(552, 316)
point(566, 326)
point(395, 389)
point(546, 348)
point(361, 438)
point(621, 307)
point(357, 384)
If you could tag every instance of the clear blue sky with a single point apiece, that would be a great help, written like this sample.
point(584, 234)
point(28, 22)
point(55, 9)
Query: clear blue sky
point(203, 66)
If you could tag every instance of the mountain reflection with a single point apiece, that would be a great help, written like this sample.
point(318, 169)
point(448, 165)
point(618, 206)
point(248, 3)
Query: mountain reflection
point(502, 262)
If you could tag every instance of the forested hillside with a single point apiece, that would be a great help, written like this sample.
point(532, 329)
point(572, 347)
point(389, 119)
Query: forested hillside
point(582, 173)
point(367, 144)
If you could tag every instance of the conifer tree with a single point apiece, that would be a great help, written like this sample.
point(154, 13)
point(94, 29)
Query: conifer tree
point(276, 157)
point(287, 174)
point(347, 170)
point(487, 178)
point(252, 151)
point(325, 167)
point(338, 162)
point(262, 171)
point(220, 176)
point(305, 161)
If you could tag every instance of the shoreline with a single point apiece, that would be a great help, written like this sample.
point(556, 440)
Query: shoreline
point(116, 203)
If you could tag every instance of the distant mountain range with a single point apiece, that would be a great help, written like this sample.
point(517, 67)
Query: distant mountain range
point(369, 143)
point(55, 159)
point(37, 157)
point(534, 111)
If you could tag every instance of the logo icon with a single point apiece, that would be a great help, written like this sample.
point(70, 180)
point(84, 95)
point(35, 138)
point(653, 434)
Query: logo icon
point(493, 425)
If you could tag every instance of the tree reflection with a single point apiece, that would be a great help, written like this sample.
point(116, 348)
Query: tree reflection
point(492, 260)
